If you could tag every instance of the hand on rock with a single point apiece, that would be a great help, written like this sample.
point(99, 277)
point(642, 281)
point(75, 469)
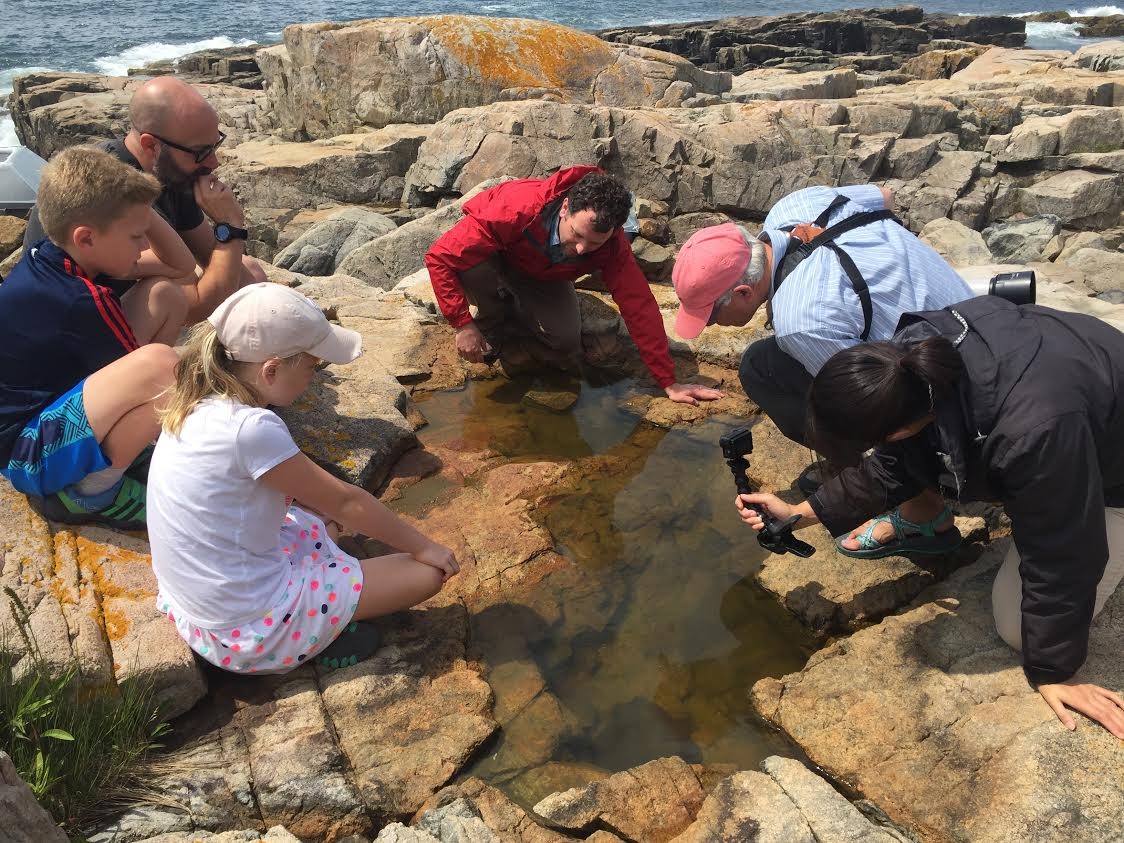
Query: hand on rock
point(1100, 704)
point(471, 344)
point(690, 393)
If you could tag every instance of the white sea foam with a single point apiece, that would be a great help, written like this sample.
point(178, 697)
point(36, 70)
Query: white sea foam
point(142, 54)
point(1097, 11)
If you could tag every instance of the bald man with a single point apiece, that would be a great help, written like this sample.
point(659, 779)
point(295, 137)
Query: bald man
point(174, 135)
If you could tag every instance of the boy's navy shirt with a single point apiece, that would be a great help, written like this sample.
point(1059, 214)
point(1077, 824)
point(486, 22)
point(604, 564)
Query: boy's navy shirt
point(57, 327)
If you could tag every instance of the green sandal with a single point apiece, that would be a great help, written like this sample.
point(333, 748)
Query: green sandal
point(358, 641)
point(909, 537)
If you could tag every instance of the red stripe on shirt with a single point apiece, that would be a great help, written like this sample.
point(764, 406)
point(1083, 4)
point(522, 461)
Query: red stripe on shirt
point(108, 307)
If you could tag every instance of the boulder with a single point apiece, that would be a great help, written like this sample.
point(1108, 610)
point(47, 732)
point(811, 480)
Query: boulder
point(24, 821)
point(928, 715)
point(321, 248)
point(1104, 271)
point(386, 260)
point(785, 803)
point(653, 802)
point(364, 169)
point(740, 157)
point(421, 69)
point(229, 65)
point(941, 64)
point(91, 595)
point(11, 235)
point(1021, 241)
point(1101, 57)
point(52, 111)
point(956, 243)
point(773, 84)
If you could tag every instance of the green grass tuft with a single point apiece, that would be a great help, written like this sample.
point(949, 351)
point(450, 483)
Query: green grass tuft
point(71, 744)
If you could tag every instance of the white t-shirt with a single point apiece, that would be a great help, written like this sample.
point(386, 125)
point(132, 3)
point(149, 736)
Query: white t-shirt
point(214, 528)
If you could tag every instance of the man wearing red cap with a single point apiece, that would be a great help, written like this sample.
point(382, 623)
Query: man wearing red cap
point(515, 255)
point(833, 297)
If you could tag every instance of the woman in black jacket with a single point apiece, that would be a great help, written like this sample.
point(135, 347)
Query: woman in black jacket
point(985, 400)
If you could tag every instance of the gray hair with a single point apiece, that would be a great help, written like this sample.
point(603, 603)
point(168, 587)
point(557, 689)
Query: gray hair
point(754, 270)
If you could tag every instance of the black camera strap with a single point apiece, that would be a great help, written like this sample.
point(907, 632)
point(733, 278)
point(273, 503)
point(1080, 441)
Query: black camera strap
point(799, 249)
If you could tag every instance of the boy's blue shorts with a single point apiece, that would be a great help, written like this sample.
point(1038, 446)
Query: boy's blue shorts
point(55, 449)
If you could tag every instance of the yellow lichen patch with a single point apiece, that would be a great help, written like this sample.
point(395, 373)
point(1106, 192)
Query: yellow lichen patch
point(92, 557)
point(116, 624)
point(522, 53)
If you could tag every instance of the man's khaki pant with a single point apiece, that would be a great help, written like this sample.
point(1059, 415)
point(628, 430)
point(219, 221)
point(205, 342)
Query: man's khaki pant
point(540, 316)
point(1007, 590)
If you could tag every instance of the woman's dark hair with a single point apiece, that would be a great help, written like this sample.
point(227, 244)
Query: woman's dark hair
point(609, 200)
point(865, 393)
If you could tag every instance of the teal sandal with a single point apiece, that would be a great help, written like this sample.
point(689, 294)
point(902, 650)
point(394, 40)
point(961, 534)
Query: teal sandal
point(358, 641)
point(909, 537)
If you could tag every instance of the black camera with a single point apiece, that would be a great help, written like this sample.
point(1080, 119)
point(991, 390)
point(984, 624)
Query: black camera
point(1016, 287)
point(776, 537)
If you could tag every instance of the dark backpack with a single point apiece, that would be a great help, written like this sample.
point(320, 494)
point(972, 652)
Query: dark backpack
point(804, 238)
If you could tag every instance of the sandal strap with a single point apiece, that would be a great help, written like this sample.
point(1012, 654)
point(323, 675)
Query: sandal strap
point(866, 538)
point(924, 528)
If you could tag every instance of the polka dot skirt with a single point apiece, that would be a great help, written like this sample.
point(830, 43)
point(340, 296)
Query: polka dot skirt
point(322, 595)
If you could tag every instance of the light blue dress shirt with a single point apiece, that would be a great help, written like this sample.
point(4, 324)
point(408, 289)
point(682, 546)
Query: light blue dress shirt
point(816, 312)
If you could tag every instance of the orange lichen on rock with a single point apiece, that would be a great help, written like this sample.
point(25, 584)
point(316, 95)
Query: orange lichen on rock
point(92, 557)
point(115, 623)
point(522, 53)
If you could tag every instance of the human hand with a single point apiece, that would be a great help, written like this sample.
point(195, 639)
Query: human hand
point(690, 393)
point(218, 201)
point(750, 508)
point(1100, 704)
point(471, 344)
point(440, 557)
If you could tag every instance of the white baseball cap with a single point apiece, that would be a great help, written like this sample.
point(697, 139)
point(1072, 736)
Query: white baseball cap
point(266, 320)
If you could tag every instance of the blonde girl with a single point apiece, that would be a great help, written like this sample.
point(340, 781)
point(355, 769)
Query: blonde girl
point(253, 584)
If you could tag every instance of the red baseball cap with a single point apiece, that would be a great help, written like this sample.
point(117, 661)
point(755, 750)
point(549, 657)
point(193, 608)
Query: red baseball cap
point(709, 265)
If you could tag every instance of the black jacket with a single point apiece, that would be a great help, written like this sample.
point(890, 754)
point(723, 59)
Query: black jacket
point(1038, 424)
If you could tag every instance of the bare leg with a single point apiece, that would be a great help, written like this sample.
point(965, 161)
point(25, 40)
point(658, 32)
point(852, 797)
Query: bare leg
point(395, 582)
point(925, 507)
point(121, 401)
point(252, 272)
point(156, 309)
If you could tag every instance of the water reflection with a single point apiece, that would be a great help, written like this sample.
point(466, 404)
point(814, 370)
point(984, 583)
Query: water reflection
point(647, 645)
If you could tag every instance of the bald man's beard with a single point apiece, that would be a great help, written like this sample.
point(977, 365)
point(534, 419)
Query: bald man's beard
point(171, 176)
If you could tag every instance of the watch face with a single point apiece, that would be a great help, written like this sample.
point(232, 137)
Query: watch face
point(222, 232)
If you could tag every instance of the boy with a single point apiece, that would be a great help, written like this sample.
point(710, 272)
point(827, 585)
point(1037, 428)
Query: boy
point(81, 371)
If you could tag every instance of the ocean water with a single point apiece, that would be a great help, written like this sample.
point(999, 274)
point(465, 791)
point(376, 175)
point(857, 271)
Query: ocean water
point(112, 37)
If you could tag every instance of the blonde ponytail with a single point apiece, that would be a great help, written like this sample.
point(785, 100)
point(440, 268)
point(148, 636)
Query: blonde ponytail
point(203, 370)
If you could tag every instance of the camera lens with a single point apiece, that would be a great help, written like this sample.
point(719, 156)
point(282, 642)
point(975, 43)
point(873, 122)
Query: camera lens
point(1015, 287)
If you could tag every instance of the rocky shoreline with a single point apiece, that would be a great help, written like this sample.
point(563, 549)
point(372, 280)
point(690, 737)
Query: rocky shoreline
point(352, 156)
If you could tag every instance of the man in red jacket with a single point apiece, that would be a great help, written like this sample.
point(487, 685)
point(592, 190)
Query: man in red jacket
point(515, 255)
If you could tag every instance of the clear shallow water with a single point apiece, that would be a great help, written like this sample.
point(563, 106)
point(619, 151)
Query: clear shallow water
point(647, 644)
point(111, 37)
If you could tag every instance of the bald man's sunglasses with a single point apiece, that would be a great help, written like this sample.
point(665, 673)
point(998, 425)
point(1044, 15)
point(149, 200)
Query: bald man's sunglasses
point(200, 153)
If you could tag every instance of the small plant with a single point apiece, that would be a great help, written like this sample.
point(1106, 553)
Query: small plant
point(71, 746)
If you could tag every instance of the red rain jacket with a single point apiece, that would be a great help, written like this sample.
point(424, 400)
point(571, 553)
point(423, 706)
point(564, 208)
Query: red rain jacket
point(513, 220)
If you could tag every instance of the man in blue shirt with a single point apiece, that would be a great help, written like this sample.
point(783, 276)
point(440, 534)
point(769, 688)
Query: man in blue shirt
point(723, 274)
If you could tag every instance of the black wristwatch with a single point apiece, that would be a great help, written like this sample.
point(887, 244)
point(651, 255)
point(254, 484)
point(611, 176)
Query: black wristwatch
point(225, 232)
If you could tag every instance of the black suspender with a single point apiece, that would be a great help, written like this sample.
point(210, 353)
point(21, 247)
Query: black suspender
point(798, 250)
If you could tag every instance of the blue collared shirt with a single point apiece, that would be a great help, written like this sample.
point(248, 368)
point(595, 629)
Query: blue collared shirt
point(816, 312)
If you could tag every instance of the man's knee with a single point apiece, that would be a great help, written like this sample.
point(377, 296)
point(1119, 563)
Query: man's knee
point(754, 371)
point(252, 271)
point(564, 338)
